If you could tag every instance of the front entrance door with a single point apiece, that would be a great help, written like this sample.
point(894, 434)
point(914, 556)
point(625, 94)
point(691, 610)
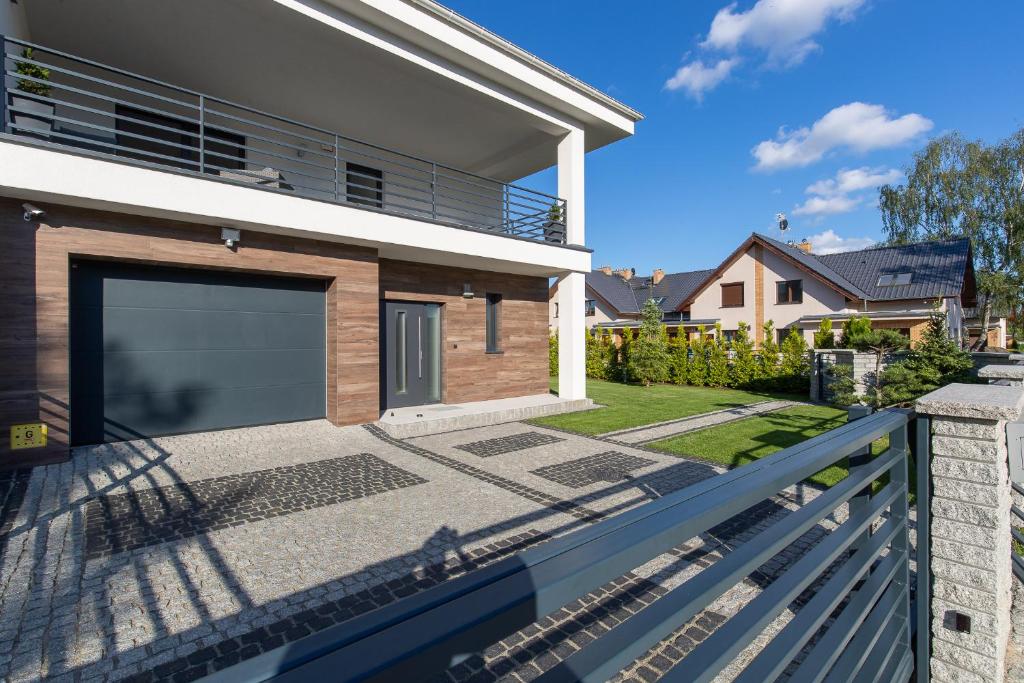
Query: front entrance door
point(412, 354)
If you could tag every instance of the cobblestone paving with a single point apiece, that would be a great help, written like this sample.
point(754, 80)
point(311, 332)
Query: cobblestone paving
point(179, 609)
point(508, 444)
point(610, 466)
point(13, 485)
point(126, 521)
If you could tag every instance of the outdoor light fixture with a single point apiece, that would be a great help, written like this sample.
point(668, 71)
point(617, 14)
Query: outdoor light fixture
point(467, 291)
point(231, 237)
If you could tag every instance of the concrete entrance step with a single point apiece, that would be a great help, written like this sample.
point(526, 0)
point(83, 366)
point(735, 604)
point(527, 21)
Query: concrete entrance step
point(406, 423)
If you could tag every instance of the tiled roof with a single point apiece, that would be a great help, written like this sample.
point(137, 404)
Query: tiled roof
point(629, 296)
point(936, 269)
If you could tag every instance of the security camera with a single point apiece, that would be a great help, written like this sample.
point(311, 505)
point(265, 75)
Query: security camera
point(32, 213)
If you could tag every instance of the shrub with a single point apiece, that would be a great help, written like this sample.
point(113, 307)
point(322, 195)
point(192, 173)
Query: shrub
point(625, 348)
point(936, 362)
point(882, 343)
point(648, 354)
point(679, 359)
point(855, 326)
point(768, 361)
point(844, 389)
point(718, 360)
point(697, 374)
point(32, 71)
point(553, 354)
point(744, 363)
point(825, 338)
point(597, 363)
point(795, 368)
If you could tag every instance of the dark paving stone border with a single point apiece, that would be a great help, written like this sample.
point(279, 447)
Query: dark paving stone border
point(489, 448)
point(13, 486)
point(609, 467)
point(548, 501)
point(137, 519)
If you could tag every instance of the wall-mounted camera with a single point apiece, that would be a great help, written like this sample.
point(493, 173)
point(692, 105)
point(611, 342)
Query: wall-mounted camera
point(32, 212)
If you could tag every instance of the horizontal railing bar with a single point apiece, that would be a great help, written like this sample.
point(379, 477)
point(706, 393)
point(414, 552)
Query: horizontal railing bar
point(1017, 487)
point(93, 79)
point(889, 643)
point(1017, 535)
point(776, 655)
point(107, 144)
point(104, 98)
point(637, 634)
point(1017, 511)
point(854, 619)
point(1018, 565)
point(899, 669)
point(520, 597)
point(264, 180)
point(714, 654)
point(860, 648)
point(216, 128)
point(83, 60)
point(300, 136)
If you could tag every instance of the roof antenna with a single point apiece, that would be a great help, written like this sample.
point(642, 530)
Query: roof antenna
point(783, 224)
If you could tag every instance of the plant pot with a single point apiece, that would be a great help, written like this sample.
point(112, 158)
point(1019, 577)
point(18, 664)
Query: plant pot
point(35, 117)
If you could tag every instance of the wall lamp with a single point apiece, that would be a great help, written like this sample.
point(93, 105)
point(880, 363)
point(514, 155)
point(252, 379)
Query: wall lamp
point(32, 212)
point(467, 291)
point(231, 237)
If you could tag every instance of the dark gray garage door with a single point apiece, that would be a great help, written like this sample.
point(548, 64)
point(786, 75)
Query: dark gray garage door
point(164, 350)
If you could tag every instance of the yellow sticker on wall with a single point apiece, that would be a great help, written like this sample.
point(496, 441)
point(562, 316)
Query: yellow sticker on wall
point(28, 436)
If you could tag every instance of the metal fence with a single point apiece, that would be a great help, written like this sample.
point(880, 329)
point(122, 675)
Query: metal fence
point(53, 97)
point(858, 625)
point(1016, 525)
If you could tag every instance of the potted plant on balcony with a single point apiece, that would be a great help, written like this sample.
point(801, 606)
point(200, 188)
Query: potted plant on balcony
point(35, 115)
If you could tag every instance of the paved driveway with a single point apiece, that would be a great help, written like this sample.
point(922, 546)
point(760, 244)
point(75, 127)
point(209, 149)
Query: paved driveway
point(170, 558)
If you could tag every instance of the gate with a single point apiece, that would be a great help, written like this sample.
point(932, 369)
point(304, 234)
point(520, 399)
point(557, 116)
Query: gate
point(859, 623)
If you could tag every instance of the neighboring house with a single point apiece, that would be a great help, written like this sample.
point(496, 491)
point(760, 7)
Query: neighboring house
point(265, 211)
point(615, 298)
point(765, 279)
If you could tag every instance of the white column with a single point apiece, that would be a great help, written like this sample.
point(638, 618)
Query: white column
point(13, 23)
point(572, 370)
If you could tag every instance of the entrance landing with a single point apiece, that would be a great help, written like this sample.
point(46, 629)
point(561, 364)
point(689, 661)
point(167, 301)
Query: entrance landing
point(406, 423)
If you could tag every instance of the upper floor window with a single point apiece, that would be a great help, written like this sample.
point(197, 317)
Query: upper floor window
point(493, 323)
point(894, 279)
point(732, 295)
point(790, 291)
point(590, 308)
point(364, 185)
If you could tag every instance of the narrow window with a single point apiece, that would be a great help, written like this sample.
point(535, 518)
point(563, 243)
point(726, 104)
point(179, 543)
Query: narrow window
point(556, 310)
point(732, 295)
point(493, 323)
point(591, 308)
point(790, 292)
point(401, 366)
point(364, 185)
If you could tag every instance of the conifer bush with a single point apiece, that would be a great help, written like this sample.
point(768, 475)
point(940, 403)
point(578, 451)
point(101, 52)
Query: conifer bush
point(718, 360)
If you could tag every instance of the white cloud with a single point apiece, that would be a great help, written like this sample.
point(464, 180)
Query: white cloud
point(824, 206)
point(849, 180)
point(696, 78)
point(829, 242)
point(857, 126)
point(833, 195)
point(784, 29)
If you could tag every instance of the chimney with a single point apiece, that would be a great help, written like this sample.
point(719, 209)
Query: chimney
point(804, 246)
point(625, 273)
point(607, 270)
point(658, 275)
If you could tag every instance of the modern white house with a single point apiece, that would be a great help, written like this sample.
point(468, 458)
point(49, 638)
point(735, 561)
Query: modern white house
point(216, 214)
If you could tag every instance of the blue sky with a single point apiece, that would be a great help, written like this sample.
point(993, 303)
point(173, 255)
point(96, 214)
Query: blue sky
point(878, 76)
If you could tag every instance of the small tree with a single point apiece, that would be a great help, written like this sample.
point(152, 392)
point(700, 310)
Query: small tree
point(32, 71)
point(614, 359)
point(625, 349)
point(844, 389)
point(744, 363)
point(882, 343)
point(698, 371)
point(718, 360)
point(679, 358)
point(553, 354)
point(825, 338)
point(796, 366)
point(854, 326)
point(648, 355)
point(768, 365)
point(595, 358)
point(937, 361)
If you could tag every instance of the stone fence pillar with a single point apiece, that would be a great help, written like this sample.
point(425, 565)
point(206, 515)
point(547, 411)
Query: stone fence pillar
point(1009, 375)
point(970, 529)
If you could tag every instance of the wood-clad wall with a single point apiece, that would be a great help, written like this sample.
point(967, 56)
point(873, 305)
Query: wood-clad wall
point(34, 263)
point(470, 373)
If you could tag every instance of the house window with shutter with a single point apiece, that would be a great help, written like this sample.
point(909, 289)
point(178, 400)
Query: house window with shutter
point(732, 295)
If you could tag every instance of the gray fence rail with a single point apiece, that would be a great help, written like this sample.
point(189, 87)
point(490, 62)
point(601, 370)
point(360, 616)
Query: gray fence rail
point(860, 611)
point(57, 98)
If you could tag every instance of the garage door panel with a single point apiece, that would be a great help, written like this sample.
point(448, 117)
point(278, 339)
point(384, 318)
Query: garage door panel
point(146, 329)
point(162, 351)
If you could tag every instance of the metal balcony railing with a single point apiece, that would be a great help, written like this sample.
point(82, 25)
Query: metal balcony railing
point(51, 97)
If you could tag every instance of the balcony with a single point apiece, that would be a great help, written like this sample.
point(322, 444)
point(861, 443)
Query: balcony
point(53, 98)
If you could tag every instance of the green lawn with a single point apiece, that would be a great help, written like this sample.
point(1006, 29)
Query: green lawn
point(741, 442)
point(630, 405)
